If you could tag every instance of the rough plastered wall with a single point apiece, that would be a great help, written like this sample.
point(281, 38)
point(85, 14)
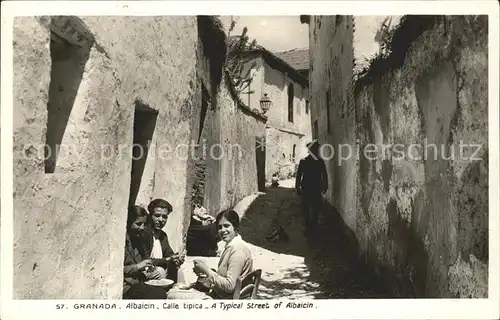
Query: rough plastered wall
point(282, 134)
point(283, 153)
point(276, 84)
point(331, 69)
point(252, 96)
point(423, 222)
point(69, 225)
point(305, 126)
point(231, 147)
point(248, 165)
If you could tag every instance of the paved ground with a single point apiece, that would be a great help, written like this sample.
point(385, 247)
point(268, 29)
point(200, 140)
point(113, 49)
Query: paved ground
point(321, 267)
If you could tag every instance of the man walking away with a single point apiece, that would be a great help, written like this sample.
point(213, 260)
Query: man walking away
point(311, 183)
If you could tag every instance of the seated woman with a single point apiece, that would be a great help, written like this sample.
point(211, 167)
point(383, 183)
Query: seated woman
point(137, 259)
point(235, 261)
point(164, 259)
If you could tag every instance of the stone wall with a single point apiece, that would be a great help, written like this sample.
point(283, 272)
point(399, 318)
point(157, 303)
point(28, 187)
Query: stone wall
point(69, 219)
point(227, 157)
point(281, 135)
point(283, 153)
point(424, 220)
point(200, 129)
point(200, 162)
point(421, 224)
point(231, 172)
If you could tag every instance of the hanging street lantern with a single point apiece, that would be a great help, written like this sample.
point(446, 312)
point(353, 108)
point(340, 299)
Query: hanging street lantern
point(265, 103)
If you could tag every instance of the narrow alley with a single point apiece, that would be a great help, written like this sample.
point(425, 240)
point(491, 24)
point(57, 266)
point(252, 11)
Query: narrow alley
point(322, 267)
point(137, 138)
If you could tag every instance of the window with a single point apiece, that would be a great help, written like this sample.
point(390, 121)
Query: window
point(307, 106)
point(290, 102)
point(328, 129)
point(293, 153)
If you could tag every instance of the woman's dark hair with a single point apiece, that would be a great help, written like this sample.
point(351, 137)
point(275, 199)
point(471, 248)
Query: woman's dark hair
point(159, 203)
point(231, 216)
point(135, 212)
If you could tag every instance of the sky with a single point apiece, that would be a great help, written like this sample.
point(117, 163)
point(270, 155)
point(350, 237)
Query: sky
point(282, 33)
point(364, 34)
point(275, 33)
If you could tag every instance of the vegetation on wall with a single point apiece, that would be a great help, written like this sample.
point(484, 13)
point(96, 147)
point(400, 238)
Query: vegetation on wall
point(395, 44)
point(228, 59)
point(238, 67)
point(384, 35)
point(227, 55)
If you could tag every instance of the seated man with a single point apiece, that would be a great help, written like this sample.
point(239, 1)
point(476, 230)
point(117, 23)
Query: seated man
point(161, 253)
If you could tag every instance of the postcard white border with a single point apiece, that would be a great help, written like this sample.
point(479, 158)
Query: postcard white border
point(331, 309)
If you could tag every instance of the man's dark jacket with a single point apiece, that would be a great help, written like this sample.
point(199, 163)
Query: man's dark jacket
point(311, 175)
point(167, 251)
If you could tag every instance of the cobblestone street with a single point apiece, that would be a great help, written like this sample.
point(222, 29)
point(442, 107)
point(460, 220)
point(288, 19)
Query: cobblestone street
point(321, 267)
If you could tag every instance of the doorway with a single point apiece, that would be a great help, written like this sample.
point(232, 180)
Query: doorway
point(260, 158)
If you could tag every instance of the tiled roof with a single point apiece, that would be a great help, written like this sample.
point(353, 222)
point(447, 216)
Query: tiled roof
point(277, 62)
point(297, 58)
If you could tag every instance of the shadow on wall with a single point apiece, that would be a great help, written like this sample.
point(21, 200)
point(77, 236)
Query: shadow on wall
point(144, 127)
point(68, 65)
point(411, 276)
point(331, 259)
point(407, 276)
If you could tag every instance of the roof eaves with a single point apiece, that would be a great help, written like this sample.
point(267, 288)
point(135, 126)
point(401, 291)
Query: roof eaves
point(297, 58)
point(281, 64)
